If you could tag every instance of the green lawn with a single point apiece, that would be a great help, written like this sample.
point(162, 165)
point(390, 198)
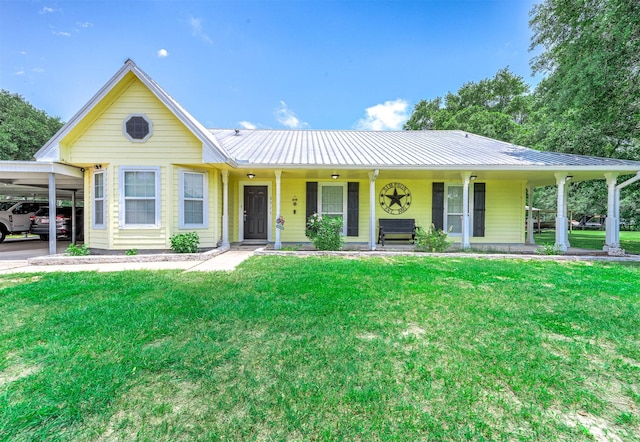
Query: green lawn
point(593, 239)
point(322, 348)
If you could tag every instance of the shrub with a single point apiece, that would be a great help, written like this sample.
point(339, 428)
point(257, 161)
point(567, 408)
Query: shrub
point(185, 242)
point(325, 232)
point(432, 239)
point(131, 252)
point(549, 249)
point(76, 250)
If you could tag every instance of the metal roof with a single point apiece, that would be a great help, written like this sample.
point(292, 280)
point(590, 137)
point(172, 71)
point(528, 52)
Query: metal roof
point(441, 149)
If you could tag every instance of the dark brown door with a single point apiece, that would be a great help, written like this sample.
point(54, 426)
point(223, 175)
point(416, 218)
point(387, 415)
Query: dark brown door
point(255, 212)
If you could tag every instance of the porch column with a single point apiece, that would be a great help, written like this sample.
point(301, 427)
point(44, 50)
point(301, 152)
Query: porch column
point(74, 226)
point(52, 214)
point(225, 208)
point(373, 237)
point(530, 239)
point(562, 234)
point(612, 225)
point(278, 244)
point(466, 177)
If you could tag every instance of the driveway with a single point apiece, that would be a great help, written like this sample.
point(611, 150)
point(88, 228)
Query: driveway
point(13, 249)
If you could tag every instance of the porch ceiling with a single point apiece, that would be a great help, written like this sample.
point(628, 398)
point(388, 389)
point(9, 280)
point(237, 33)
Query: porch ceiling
point(31, 179)
point(536, 177)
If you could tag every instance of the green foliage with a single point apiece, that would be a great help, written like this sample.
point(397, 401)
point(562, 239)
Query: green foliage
point(590, 52)
point(185, 242)
point(495, 107)
point(325, 232)
point(23, 128)
point(131, 252)
point(432, 240)
point(77, 250)
point(549, 249)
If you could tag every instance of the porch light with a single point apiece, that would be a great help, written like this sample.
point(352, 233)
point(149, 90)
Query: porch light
point(569, 178)
point(251, 176)
point(335, 176)
point(473, 177)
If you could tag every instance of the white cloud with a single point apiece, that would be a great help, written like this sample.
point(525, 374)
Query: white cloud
point(23, 52)
point(288, 118)
point(60, 33)
point(85, 25)
point(20, 72)
point(38, 70)
point(47, 10)
point(247, 125)
point(162, 53)
point(197, 30)
point(390, 115)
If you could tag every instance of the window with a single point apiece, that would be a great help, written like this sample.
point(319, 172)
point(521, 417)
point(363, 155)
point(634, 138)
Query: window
point(332, 201)
point(98, 200)
point(137, 128)
point(193, 199)
point(140, 197)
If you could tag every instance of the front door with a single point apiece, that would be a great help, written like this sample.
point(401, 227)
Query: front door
point(255, 212)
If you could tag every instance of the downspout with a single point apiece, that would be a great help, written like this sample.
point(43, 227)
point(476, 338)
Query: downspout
point(617, 209)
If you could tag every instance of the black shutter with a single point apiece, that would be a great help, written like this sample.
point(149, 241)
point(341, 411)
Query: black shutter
point(479, 192)
point(311, 199)
point(352, 208)
point(437, 206)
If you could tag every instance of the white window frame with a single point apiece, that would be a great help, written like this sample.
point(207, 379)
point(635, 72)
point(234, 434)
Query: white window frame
point(122, 212)
point(204, 199)
point(99, 201)
point(344, 201)
point(446, 208)
point(129, 137)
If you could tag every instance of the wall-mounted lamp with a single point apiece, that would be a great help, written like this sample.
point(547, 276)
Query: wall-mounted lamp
point(98, 166)
point(335, 176)
point(473, 177)
point(569, 178)
point(294, 200)
point(251, 176)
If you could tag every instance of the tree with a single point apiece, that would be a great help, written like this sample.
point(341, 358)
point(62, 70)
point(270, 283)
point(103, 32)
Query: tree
point(591, 95)
point(23, 128)
point(495, 107)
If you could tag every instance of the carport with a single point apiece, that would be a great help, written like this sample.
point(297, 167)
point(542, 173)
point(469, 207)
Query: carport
point(41, 179)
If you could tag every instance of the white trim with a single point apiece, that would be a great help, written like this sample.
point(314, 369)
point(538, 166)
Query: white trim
point(345, 195)
point(205, 199)
point(95, 201)
point(241, 186)
point(128, 135)
point(122, 210)
point(445, 214)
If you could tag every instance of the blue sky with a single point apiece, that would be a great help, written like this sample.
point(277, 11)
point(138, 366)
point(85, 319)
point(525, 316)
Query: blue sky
point(264, 64)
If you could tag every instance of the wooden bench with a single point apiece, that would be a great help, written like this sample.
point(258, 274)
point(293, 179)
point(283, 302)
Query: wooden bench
point(396, 226)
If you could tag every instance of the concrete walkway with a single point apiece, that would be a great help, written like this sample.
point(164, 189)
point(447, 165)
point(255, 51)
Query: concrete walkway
point(225, 261)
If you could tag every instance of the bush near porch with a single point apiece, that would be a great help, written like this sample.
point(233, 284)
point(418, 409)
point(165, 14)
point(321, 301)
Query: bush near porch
point(324, 348)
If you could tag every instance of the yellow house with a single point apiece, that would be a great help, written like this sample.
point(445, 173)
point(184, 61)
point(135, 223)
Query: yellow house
point(151, 171)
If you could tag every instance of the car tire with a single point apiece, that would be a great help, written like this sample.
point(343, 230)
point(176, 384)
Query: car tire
point(44, 237)
point(3, 234)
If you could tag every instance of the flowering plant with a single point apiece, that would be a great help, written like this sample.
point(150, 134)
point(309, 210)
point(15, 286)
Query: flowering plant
point(280, 222)
point(325, 232)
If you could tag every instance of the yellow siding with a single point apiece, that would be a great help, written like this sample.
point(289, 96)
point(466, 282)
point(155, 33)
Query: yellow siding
point(99, 139)
point(505, 216)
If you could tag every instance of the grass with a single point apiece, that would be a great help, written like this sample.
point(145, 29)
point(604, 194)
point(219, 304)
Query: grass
point(593, 239)
point(324, 348)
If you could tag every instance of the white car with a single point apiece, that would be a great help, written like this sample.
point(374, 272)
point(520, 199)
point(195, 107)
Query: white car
point(15, 216)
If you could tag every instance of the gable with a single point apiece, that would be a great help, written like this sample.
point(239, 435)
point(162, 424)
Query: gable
point(121, 82)
point(100, 137)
